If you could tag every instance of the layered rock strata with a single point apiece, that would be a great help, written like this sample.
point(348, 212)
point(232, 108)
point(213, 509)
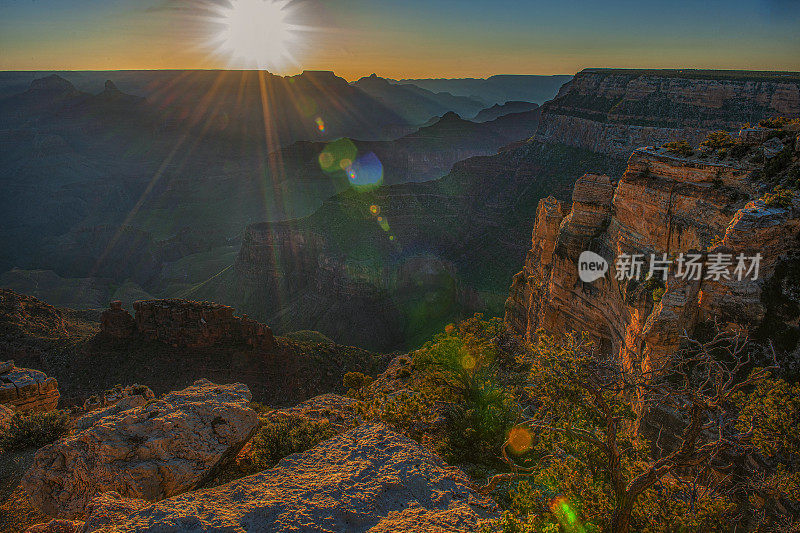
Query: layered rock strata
point(27, 390)
point(615, 111)
point(665, 207)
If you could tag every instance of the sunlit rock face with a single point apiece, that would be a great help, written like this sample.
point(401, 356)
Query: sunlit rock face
point(615, 111)
point(24, 389)
point(663, 204)
point(369, 479)
point(151, 451)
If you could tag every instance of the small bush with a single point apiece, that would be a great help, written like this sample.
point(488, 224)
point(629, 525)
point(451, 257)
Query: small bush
point(462, 365)
point(356, 380)
point(779, 198)
point(277, 439)
point(778, 122)
point(34, 430)
point(718, 139)
point(681, 148)
point(658, 294)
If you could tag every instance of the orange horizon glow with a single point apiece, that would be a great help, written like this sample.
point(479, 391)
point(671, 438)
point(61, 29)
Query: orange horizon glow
point(407, 40)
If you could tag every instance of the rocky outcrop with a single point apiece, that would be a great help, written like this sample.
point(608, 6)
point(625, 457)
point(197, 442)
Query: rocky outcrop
point(26, 389)
point(665, 206)
point(111, 403)
point(153, 451)
point(25, 315)
point(187, 324)
point(117, 322)
point(368, 479)
point(615, 111)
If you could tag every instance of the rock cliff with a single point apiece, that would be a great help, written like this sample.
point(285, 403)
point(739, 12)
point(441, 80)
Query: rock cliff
point(615, 111)
point(669, 207)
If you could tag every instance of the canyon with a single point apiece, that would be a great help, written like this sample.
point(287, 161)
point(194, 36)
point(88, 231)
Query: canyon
point(468, 226)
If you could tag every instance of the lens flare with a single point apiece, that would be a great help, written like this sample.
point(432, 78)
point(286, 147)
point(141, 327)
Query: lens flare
point(374, 209)
point(366, 172)
point(320, 125)
point(337, 155)
point(468, 362)
point(566, 516)
point(520, 440)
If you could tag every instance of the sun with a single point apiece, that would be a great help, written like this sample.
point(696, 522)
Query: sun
point(258, 33)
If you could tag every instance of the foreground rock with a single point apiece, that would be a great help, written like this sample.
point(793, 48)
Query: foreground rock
point(368, 479)
point(151, 451)
point(26, 389)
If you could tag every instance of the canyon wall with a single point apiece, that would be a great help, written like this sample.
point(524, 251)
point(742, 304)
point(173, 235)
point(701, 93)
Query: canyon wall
point(663, 204)
point(616, 111)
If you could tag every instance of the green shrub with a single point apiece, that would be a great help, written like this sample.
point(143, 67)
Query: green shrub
point(356, 380)
point(681, 148)
point(34, 430)
point(718, 139)
point(658, 294)
point(478, 427)
point(277, 439)
point(778, 122)
point(779, 198)
point(463, 365)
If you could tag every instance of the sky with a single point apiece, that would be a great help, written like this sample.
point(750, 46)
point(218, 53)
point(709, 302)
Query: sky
point(412, 38)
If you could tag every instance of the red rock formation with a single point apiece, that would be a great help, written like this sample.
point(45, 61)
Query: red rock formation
point(27, 390)
point(663, 204)
point(116, 322)
point(182, 323)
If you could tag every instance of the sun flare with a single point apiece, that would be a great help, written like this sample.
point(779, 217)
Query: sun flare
point(258, 33)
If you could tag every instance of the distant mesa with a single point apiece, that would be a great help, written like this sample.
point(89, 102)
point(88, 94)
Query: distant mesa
point(498, 110)
point(184, 324)
point(53, 85)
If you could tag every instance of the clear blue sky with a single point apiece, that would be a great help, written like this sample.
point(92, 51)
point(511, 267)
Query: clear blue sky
point(417, 38)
